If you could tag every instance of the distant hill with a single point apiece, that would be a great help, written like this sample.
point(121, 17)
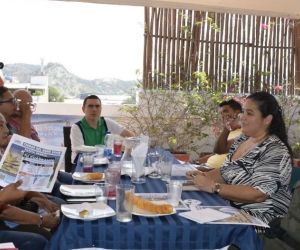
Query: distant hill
point(67, 83)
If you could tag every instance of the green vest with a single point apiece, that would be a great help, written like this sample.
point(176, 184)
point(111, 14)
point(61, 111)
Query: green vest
point(91, 136)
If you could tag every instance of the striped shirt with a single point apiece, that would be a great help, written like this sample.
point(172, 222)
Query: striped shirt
point(267, 167)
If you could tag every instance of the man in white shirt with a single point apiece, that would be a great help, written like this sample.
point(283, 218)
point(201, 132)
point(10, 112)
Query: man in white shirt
point(92, 128)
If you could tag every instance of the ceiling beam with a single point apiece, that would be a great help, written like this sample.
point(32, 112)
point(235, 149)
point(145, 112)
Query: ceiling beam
point(274, 8)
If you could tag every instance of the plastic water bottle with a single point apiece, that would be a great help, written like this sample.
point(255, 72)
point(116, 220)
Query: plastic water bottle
point(108, 140)
point(108, 145)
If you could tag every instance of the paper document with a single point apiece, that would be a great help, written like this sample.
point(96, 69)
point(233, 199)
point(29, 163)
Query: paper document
point(181, 169)
point(234, 216)
point(37, 164)
point(205, 215)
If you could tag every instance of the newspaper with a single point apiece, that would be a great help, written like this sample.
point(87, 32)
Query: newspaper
point(37, 164)
point(234, 215)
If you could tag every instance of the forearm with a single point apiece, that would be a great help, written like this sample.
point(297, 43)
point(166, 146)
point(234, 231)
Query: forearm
point(25, 126)
point(221, 145)
point(242, 193)
point(20, 216)
point(32, 195)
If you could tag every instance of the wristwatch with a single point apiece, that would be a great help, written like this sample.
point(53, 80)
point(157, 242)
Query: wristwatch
point(216, 188)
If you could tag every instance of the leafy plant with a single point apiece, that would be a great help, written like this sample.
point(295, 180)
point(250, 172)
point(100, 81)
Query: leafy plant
point(178, 119)
point(296, 151)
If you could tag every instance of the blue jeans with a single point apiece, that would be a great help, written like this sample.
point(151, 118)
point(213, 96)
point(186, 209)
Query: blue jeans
point(24, 240)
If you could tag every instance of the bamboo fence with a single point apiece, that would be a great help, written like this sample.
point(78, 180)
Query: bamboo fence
point(237, 52)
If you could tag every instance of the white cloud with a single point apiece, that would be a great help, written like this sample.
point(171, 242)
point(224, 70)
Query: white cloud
point(90, 40)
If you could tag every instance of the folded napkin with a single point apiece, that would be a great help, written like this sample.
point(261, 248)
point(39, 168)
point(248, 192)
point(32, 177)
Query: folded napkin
point(78, 189)
point(148, 170)
point(95, 209)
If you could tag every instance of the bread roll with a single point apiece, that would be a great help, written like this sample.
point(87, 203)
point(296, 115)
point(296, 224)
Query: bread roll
point(151, 207)
point(94, 176)
point(83, 213)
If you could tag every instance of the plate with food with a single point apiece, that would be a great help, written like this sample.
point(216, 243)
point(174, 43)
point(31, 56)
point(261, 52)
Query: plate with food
point(99, 161)
point(88, 177)
point(84, 149)
point(78, 190)
point(142, 207)
point(87, 211)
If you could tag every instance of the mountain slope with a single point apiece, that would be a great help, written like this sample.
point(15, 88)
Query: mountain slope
point(67, 83)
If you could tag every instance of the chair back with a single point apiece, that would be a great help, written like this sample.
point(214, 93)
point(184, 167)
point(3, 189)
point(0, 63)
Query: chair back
point(67, 144)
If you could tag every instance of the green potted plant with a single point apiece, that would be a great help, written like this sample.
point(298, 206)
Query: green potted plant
point(181, 121)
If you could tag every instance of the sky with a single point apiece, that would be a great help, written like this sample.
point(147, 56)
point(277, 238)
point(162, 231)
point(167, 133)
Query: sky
point(90, 40)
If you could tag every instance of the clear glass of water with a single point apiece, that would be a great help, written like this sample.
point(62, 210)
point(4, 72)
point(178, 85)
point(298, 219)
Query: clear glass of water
point(101, 192)
point(124, 202)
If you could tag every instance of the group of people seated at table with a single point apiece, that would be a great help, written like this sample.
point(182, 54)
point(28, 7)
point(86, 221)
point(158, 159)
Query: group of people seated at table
point(253, 172)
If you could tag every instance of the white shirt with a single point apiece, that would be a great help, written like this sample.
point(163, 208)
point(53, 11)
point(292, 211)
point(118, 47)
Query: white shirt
point(77, 137)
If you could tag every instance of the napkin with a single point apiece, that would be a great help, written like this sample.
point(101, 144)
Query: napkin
point(78, 189)
point(144, 138)
point(148, 170)
point(98, 211)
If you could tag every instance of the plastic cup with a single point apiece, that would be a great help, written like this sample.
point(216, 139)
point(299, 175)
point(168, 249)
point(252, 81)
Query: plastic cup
point(233, 123)
point(174, 190)
point(101, 192)
point(88, 162)
point(138, 169)
point(99, 151)
point(166, 168)
point(124, 202)
point(117, 144)
point(112, 177)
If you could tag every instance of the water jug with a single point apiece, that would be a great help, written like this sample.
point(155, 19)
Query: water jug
point(130, 143)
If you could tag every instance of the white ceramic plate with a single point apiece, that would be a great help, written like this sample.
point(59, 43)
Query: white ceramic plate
point(142, 212)
point(78, 190)
point(99, 161)
point(97, 206)
point(79, 176)
point(84, 149)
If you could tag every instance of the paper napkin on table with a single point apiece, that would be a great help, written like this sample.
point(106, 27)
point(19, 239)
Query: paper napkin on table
point(205, 215)
point(78, 189)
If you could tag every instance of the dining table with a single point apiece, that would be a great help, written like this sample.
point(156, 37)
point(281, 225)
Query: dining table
point(160, 232)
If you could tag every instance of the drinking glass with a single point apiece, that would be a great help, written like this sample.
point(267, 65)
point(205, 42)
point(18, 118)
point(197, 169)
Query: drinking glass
point(117, 143)
point(124, 202)
point(234, 122)
point(101, 192)
point(166, 168)
point(174, 190)
point(112, 177)
point(88, 162)
point(154, 161)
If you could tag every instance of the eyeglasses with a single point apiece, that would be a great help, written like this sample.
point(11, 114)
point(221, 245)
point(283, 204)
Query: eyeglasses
point(12, 101)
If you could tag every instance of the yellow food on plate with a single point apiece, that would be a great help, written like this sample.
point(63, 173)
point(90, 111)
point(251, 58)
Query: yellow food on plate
point(94, 176)
point(83, 213)
point(149, 206)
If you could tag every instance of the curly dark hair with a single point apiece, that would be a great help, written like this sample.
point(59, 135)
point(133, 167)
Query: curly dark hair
point(268, 105)
point(235, 105)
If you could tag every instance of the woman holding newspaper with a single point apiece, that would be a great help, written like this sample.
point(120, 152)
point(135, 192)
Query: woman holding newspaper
point(23, 220)
point(256, 173)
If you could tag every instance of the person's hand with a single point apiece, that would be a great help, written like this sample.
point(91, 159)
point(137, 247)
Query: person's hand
point(50, 220)
point(11, 193)
point(48, 205)
point(192, 174)
point(24, 107)
point(203, 183)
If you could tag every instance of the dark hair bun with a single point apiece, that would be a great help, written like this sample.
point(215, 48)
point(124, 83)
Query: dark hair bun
point(1, 65)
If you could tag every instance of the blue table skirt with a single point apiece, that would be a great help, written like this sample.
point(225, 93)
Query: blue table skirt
point(164, 232)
